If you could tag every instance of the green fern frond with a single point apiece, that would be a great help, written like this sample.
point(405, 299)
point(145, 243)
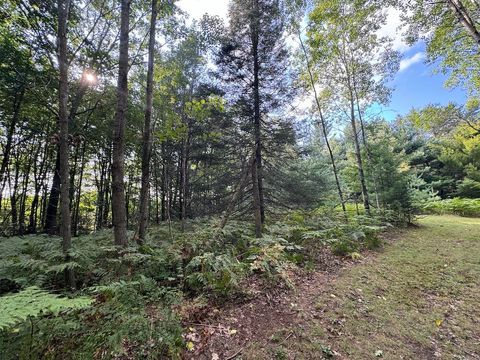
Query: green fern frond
point(32, 302)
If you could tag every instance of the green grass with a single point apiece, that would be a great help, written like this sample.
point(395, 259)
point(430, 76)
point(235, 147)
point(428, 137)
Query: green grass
point(418, 299)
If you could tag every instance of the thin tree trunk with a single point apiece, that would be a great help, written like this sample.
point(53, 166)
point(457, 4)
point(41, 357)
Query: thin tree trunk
point(358, 155)
point(79, 191)
point(43, 206)
point(258, 196)
point(52, 206)
point(163, 186)
point(147, 132)
point(184, 177)
point(367, 149)
point(39, 178)
point(8, 146)
point(324, 125)
point(118, 186)
point(108, 194)
point(256, 201)
point(52, 209)
point(63, 12)
point(100, 184)
point(24, 196)
point(157, 196)
point(73, 174)
point(13, 197)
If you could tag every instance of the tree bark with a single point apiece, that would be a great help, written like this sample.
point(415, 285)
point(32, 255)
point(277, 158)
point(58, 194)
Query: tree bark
point(14, 197)
point(52, 209)
point(465, 19)
point(76, 213)
point(40, 174)
point(23, 197)
point(184, 177)
point(147, 132)
point(358, 155)
point(119, 213)
point(367, 149)
point(258, 196)
point(52, 205)
point(63, 12)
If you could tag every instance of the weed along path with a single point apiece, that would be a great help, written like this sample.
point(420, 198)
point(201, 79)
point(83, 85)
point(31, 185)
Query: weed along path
point(418, 298)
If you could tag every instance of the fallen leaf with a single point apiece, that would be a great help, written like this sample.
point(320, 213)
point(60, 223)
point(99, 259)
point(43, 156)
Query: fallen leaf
point(232, 332)
point(439, 322)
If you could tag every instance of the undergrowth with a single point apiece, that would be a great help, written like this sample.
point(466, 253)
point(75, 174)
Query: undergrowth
point(129, 297)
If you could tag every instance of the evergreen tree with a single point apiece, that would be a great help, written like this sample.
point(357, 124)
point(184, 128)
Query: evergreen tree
point(253, 63)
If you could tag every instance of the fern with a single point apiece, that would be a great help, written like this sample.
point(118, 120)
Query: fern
point(32, 302)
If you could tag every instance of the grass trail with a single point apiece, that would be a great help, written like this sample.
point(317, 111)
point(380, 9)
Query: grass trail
point(418, 299)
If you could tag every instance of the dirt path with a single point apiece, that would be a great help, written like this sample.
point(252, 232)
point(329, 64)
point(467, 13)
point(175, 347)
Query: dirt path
point(417, 299)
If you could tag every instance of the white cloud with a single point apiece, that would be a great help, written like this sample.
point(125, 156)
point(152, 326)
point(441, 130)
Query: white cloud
point(197, 8)
point(392, 29)
point(409, 61)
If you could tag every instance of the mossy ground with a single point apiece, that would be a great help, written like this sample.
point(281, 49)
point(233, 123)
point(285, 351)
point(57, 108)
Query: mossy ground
point(417, 299)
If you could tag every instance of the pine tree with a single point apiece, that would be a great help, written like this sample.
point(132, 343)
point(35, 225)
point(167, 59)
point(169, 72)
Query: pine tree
point(253, 63)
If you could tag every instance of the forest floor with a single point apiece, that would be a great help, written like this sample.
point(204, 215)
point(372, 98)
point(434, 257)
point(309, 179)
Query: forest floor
point(417, 298)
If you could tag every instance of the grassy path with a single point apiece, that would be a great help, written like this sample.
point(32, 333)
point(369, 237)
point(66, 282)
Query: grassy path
point(418, 299)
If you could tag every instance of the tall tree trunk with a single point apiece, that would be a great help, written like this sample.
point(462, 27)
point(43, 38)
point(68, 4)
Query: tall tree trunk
point(73, 174)
point(147, 132)
point(258, 196)
point(52, 205)
point(176, 189)
point(324, 125)
point(119, 213)
point(256, 200)
point(24, 196)
point(76, 213)
point(107, 192)
point(163, 186)
point(63, 12)
point(14, 196)
point(39, 175)
point(52, 209)
point(358, 155)
point(184, 177)
point(99, 183)
point(43, 205)
point(157, 194)
point(367, 149)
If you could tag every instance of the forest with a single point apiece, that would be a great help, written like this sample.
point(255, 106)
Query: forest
point(206, 187)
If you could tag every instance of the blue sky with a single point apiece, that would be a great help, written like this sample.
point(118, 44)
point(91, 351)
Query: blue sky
point(416, 84)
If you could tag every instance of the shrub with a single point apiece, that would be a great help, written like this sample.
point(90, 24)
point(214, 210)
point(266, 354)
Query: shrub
point(456, 206)
point(219, 273)
point(345, 246)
